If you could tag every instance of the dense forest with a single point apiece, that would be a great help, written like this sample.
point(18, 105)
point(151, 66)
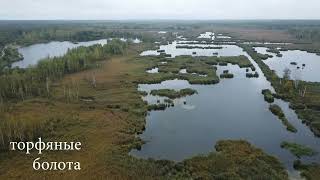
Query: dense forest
point(32, 32)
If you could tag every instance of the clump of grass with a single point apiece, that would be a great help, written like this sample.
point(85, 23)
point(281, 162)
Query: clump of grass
point(276, 110)
point(169, 101)
point(198, 47)
point(143, 93)
point(223, 63)
point(157, 107)
point(268, 95)
point(243, 161)
point(200, 80)
point(252, 75)
point(297, 149)
point(264, 56)
point(172, 94)
point(309, 171)
point(226, 75)
point(298, 106)
point(163, 54)
point(273, 50)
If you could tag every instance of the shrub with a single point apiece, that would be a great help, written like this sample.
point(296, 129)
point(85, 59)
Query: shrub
point(226, 75)
point(268, 95)
point(252, 75)
point(170, 93)
point(157, 107)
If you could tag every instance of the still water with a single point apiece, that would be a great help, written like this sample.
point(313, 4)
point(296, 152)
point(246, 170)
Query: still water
point(309, 72)
point(232, 109)
point(32, 54)
point(227, 50)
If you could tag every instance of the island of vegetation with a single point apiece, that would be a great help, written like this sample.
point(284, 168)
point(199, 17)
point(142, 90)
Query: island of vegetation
point(91, 94)
point(276, 110)
point(173, 94)
point(268, 95)
point(297, 149)
point(303, 96)
point(226, 74)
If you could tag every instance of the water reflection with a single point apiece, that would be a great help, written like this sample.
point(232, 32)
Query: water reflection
point(32, 54)
point(232, 109)
point(153, 70)
point(306, 68)
point(227, 50)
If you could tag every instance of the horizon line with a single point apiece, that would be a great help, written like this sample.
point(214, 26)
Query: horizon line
point(159, 19)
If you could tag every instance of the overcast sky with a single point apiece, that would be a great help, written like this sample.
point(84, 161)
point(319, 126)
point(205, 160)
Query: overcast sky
point(159, 9)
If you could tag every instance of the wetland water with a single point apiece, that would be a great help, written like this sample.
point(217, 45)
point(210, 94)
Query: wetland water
point(232, 109)
point(227, 50)
point(32, 54)
point(309, 72)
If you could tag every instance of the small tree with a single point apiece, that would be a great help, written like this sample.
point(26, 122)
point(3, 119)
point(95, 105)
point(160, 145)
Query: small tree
point(286, 74)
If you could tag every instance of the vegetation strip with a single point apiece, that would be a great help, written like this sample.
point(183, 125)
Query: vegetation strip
point(303, 96)
point(172, 94)
point(276, 110)
point(297, 149)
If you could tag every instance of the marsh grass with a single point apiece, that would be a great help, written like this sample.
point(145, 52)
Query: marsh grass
point(297, 149)
point(157, 107)
point(252, 75)
point(226, 75)
point(108, 128)
point(309, 115)
point(309, 171)
point(172, 94)
point(268, 96)
point(276, 110)
point(243, 161)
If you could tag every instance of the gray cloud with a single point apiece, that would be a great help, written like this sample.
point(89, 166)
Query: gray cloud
point(159, 9)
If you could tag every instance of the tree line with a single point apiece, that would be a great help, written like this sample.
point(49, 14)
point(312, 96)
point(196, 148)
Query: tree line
point(20, 84)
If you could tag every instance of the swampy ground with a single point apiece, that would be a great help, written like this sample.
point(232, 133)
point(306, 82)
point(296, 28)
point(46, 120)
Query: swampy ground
point(107, 127)
point(107, 118)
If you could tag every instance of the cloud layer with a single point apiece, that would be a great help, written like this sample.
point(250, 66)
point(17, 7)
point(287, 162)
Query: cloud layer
point(159, 9)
